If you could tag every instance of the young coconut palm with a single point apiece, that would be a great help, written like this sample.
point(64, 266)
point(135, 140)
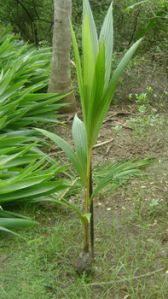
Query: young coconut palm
point(96, 87)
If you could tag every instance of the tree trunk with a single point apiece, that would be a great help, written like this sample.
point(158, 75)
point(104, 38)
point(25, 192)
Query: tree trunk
point(60, 80)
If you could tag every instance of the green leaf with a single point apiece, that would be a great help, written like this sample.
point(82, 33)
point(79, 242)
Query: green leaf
point(93, 31)
point(3, 229)
point(106, 35)
point(88, 64)
point(135, 5)
point(96, 97)
point(71, 206)
point(87, 216)
point(78, 68)
point(23, 184)
point(67, 150)
point(9, 220)
point(33, 192)
point(110, 90)
point(79, 138)
point(120, 70)
point(8, 223)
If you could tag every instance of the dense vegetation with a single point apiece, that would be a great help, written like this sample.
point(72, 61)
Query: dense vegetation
point(25, 173)
point(34, 20)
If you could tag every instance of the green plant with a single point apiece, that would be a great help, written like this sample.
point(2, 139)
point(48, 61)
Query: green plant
point(23, 78)
point(156, 207)
point(117, 129)
point(96, 86)
point(26, 175)
point(35, 61)
point(10, 221)
point(142, 99)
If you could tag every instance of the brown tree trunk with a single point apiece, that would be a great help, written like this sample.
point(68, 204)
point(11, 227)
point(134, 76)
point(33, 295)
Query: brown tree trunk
point(60, 80)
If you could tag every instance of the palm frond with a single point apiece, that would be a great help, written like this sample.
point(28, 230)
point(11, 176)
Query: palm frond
point(96, 83)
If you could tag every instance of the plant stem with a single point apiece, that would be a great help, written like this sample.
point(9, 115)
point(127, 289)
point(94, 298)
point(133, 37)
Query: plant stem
point(92, 213)
point(87, 205)
point(86, 224)
point(86, 237)
point(90, 201)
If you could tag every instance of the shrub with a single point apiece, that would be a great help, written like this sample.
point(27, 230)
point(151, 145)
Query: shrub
point(26, 174)
point(23, 77)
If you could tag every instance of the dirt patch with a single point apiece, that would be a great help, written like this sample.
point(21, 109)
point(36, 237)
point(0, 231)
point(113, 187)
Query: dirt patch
point(130, 138)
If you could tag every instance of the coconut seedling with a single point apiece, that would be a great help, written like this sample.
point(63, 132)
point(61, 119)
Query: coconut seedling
point(97, 84)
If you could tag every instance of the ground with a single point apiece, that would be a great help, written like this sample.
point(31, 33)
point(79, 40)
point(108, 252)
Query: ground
point(131, 226)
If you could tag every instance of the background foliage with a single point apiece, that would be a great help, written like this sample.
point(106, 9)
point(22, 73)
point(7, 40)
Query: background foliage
point(34, 19)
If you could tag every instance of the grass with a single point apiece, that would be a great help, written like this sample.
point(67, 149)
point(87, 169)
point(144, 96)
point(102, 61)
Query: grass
point(131, 240)
point(42, 266)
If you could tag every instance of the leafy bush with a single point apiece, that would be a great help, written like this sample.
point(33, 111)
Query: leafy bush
point(23, 77)
point(26, 174)
point(35, 61)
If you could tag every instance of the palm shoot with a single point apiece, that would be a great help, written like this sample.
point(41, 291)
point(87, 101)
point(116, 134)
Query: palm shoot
point(97, 84)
